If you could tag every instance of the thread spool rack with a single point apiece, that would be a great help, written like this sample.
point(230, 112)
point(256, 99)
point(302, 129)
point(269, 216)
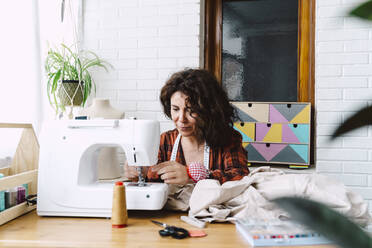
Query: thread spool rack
point(23, 169)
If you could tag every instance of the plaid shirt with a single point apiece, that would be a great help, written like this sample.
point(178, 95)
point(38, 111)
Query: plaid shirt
point(225, 164)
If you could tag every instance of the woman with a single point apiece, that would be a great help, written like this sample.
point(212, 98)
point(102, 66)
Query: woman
point(204, 139)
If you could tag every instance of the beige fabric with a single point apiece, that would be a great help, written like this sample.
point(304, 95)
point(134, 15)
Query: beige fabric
point(250, 196)
point(108, 163)
point(178, 196)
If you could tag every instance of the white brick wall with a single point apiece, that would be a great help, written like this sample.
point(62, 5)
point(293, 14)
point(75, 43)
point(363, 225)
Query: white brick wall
point(147, 40)
point(343, 72)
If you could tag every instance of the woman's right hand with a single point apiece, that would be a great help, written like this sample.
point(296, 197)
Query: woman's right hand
point(172, 172)
point(131, 173)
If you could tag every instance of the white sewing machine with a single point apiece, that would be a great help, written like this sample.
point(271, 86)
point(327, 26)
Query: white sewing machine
point(68, 183)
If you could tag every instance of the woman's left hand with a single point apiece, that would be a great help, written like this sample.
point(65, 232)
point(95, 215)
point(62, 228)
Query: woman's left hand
point(172, 172)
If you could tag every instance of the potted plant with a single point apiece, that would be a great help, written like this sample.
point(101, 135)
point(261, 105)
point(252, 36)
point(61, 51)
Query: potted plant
point(69, 80)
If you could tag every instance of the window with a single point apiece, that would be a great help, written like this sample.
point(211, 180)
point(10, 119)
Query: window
point(20, 86)
point(264, 47)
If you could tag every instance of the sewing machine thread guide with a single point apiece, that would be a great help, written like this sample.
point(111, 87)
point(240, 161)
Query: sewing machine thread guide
point(134, 155)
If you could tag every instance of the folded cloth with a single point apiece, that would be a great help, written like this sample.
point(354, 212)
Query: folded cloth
point(250, 196)
point(197, 171)
point(179, 196)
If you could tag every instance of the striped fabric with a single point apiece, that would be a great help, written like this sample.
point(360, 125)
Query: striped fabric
point(225, 164)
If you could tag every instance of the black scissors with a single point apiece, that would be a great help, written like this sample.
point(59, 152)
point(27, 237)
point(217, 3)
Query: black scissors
point(175, 232)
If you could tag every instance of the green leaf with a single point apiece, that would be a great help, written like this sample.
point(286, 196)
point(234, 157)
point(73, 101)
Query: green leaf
point(320, 218)
point(66, 64)
point(48, 91)
point(363, 11)
point(55, 102)
point(362, 118)
point(55, 81)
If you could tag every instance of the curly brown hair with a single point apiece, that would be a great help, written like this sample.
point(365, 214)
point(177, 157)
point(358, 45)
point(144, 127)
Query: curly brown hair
point(206, 98)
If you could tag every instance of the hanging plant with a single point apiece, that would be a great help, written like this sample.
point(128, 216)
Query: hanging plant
point(69, 80)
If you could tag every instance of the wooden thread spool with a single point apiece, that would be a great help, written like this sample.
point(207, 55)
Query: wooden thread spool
point(119, 216)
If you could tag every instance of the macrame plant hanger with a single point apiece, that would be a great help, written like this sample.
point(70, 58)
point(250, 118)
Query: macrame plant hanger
point(76, 45)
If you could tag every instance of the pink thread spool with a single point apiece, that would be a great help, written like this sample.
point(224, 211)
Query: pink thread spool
point(21, 194)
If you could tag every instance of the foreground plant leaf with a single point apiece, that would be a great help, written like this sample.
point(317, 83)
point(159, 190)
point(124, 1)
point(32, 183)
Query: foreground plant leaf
point(362, 118)
point(363, 11)
point(331, 224)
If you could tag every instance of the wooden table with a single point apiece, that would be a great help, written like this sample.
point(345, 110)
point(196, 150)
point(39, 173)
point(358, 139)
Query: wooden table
point(31, 230)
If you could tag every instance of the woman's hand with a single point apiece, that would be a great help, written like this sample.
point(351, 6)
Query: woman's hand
point(172, 172)
point(131, 172)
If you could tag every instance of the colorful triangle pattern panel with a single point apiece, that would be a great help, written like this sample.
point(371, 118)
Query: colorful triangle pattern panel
point(279, 132)
point(287, 113)
point(296, 154)
point(252, 112)
point(301, 150)
point(302, 132)
point(288, 136)
point(268, 152)
point(261, 131)
point(247, 130)
point(303, 116)
point(274, 134)
point(253, 154)
point(245, 138)
point(275, 115)
point(244, 117)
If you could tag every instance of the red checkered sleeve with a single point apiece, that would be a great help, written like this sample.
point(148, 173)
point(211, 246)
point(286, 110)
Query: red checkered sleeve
point(230, 163)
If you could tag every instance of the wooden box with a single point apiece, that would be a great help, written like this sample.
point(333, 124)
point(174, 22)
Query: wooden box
point(23, 170)
point(275, 132)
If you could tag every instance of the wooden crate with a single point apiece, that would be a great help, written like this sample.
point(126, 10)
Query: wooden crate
point(23, 169)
